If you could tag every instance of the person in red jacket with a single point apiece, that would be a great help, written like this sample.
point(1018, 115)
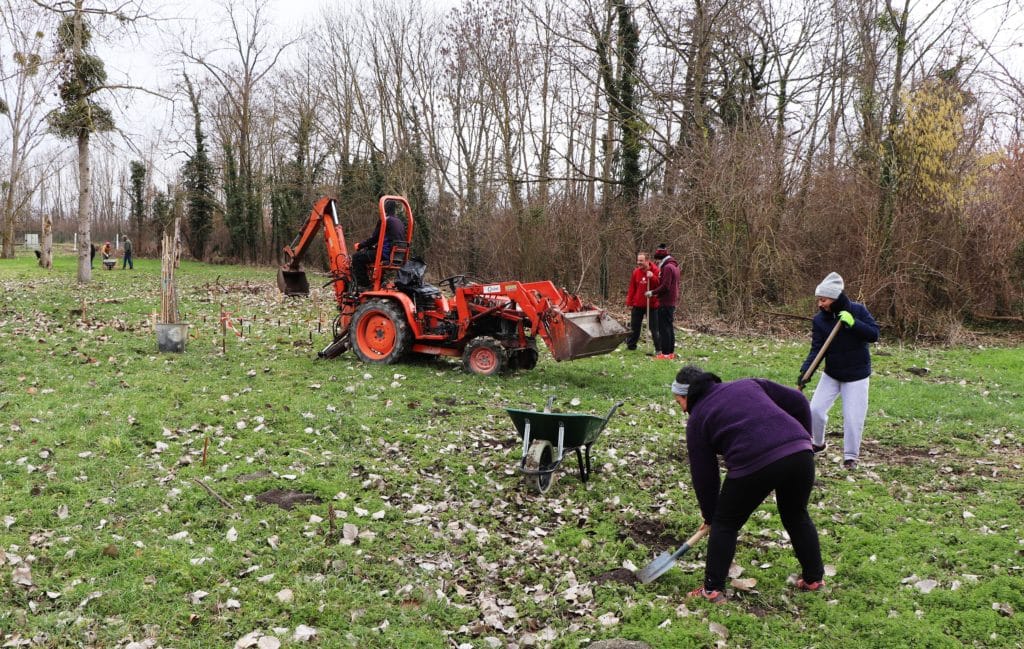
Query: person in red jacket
point(643, 279)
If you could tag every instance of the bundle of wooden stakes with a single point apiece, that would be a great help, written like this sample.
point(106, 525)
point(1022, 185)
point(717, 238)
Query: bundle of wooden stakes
point(168, 289)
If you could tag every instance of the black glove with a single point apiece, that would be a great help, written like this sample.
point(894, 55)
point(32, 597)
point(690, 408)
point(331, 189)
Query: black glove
point(800, 382)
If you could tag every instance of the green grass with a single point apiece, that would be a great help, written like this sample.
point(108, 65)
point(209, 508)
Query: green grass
point(101, 455)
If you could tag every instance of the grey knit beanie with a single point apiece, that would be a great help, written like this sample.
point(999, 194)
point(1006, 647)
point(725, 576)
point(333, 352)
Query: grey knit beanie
point(830, 287)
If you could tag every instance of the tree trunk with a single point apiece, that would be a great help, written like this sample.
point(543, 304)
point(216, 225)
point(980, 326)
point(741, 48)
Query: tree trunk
point(84, 208)
point(8, 236)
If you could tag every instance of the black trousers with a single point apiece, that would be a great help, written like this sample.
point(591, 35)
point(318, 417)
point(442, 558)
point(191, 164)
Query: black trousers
point(791, 478)
point(666, 329)
point(636, 321)
point(361, 261)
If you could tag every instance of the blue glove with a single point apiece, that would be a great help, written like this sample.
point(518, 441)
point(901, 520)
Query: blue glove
point(846, 318)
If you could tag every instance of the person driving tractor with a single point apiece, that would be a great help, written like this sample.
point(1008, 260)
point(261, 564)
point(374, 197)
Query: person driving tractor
point(365, 250)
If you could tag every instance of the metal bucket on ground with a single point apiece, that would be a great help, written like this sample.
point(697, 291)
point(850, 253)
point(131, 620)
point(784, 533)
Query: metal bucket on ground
point(171, 337)
point(292, 282)
point(585, 333)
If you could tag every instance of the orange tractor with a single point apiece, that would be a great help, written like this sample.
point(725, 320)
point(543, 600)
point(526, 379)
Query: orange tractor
point(493, 327)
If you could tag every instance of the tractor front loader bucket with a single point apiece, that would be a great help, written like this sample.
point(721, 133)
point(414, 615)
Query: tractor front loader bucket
point(292, 282)
point(584, 333)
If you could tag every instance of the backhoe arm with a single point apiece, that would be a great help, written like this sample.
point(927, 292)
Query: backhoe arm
point(324, 214)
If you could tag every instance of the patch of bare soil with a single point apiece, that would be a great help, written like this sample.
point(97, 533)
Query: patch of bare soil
point(651, 534)
point(904, 455)
point(286, 499)
point(619, 575)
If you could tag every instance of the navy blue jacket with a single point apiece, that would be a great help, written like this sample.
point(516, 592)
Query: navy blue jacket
point(847, 358)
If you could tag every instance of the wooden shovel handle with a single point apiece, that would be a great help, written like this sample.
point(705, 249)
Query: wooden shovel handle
point(821, 352)
point(690, 542)
point(698, 535)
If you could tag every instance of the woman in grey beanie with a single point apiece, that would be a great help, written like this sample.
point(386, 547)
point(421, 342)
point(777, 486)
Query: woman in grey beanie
point(847, 365)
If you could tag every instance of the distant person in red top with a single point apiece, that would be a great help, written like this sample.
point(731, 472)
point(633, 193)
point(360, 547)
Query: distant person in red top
point(644, 277)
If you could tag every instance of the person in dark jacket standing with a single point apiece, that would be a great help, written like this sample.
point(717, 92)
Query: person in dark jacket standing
point(847, 365)
point(128, 260)
point(667, 294)
point(366, 250)
point(644, 277)
point(762, 431)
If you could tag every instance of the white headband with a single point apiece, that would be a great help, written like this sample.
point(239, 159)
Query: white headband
point(680, 388)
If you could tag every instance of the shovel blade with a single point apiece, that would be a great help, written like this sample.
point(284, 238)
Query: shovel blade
point(656, 568)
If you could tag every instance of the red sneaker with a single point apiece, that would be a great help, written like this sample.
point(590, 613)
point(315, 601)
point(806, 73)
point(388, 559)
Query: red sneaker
point(666, 357)
point(809, 586)
point(713, 596)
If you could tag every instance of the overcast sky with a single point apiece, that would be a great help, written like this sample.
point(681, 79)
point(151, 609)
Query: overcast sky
point(149, 60)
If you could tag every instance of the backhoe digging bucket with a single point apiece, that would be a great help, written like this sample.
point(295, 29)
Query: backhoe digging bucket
point(584, 333)
point(292, 282)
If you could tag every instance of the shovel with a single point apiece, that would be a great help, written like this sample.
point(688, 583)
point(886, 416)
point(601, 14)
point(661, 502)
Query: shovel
point(662, 563)
point(821, 354)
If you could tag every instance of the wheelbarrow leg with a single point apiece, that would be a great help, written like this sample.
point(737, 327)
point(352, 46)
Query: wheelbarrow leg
point(584, 467)
point(584, 464)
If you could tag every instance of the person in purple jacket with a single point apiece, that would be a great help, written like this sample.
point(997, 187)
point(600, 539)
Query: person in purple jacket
point(666, 292)
point(762, 431)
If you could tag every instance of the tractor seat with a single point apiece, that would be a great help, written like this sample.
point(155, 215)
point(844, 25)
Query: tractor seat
point(397, 258)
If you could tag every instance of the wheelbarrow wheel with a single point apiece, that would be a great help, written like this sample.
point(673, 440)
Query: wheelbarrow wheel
point(540, 454)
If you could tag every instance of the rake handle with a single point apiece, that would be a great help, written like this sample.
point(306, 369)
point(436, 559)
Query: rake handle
point(821, 353)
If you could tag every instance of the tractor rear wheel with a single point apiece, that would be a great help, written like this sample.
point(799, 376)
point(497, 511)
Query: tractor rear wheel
point(380, 332)
point(485, 356)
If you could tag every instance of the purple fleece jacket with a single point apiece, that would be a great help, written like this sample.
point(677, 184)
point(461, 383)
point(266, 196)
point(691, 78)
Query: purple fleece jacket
point(750, 423)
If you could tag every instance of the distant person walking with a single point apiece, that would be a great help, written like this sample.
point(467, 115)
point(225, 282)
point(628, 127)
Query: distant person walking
point(127, 261)
point(667, 294)
point(847, 365)
point(643, 279)
point(762, 432)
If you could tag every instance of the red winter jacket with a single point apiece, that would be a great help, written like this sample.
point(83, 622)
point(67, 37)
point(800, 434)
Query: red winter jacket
point(638, 285)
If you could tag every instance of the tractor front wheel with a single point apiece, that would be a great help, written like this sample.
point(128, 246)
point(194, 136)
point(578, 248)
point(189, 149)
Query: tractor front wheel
point(380, 332)
point(525, 358)
point(484, 355)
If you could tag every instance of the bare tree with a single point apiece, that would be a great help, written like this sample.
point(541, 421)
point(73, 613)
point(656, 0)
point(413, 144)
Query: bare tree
point(26, 74)
point(238, 66)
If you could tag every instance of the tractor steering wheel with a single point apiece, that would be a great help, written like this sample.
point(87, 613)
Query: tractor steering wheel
point(461, 279)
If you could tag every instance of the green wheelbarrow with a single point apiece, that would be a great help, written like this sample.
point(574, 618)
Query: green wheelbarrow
point(547, 437)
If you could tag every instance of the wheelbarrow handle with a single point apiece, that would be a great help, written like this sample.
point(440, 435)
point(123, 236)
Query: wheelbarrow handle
point(610, 413)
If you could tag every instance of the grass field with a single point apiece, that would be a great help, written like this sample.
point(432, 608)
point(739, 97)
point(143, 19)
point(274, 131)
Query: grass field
point(138, 489)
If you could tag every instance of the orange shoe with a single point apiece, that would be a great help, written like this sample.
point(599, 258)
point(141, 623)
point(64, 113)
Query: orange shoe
point(666, 357)
point(810, 586)
point(713, 596)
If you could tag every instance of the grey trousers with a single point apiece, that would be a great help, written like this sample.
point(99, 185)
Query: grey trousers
point(855, 409)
